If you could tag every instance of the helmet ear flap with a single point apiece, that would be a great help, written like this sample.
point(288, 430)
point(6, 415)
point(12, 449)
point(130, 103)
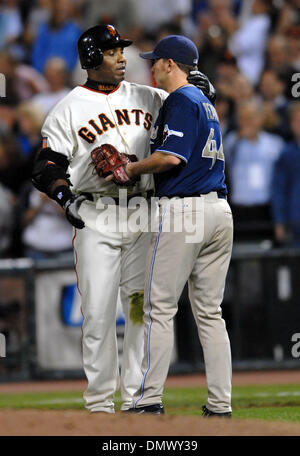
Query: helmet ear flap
point(96, 59)
point(92, 59)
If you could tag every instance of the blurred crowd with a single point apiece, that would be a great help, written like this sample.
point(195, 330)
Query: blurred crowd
point(249, 49)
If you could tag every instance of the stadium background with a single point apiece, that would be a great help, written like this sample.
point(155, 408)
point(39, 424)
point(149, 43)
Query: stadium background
point(251, 52)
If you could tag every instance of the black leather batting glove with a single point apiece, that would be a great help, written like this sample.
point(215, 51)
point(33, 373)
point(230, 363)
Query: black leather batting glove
point(71, 204)
point(71, 207)
point(201, 81)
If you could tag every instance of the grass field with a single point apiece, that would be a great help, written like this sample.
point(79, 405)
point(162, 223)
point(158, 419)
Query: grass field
point(274, 403)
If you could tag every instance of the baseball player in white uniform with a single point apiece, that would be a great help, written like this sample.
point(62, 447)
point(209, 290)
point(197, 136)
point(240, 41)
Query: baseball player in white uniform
point(106, 110)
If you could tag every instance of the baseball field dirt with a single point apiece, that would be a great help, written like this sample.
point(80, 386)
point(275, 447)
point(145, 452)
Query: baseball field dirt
point(27, 422)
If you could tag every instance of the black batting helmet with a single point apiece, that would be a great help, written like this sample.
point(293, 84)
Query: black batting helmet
point(95, 40)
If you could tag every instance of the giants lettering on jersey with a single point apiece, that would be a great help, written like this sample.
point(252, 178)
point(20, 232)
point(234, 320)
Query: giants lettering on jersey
point(103, 123)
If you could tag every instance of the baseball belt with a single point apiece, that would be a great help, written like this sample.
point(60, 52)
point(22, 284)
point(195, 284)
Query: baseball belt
point(220, 195)
point(110, 199)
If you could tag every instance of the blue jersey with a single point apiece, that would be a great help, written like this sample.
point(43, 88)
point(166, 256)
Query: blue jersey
point(188, 127)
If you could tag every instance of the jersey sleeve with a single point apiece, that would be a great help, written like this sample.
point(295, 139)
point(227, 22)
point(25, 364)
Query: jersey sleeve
point(180, 126)
point(57, 136)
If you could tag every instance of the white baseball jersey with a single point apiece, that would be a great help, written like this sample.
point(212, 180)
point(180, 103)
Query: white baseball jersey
point(87, 118)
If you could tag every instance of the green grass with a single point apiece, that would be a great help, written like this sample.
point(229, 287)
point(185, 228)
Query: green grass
point(263, 402)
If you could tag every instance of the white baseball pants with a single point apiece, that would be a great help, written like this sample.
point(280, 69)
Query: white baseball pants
point(104, 262)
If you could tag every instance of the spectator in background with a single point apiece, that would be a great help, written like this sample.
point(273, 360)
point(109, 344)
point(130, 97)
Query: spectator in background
point(30, 119)
point(10, 22)
point(285, 193)
point(224, 109)
point(38, 15)
point(11, 163)
point(248, 42)
point(46, 233)
point(7, 67)
point(152, 14)
point(289, 15)
point(124, 15)
point(33, 15)
point(29, 82)
point(137, 69)
point(276, 55)
point(293, 36)
point(56, 75)
point(57, 37)
point(226, 70)
point(241, 89)
point(250, 156)
point(7, 220)
point(22, 81)
point(277, 60)
point(212, 36)
point(274, 103)
point(236, 89)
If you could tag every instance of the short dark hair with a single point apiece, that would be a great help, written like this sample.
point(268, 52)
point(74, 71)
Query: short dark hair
point(186, 68)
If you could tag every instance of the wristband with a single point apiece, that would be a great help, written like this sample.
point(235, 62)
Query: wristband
point(62, 194)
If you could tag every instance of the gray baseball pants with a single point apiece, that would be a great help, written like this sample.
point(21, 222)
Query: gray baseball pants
point(174, 258)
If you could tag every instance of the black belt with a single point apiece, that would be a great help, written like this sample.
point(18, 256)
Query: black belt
point(147, 195)
point(180, 195)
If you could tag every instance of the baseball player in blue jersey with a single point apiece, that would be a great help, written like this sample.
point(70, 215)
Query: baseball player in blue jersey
point(188, 165)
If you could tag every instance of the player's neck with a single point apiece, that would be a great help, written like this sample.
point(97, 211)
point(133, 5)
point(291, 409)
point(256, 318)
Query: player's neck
point(175, 83)
point(100, 86)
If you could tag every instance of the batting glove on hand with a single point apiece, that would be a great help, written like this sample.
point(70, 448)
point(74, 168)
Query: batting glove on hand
point(71, 204)
point(71, 208)
point(202, 82)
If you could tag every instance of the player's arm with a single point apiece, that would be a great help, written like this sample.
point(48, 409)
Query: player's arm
point(158, 162)
point(180, 133)
point(49, 174)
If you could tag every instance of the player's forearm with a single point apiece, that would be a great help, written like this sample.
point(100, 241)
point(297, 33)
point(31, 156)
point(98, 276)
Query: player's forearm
point(156, 163)
point(59, 183)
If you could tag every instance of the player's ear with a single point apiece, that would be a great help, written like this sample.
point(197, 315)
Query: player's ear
point(171, 65)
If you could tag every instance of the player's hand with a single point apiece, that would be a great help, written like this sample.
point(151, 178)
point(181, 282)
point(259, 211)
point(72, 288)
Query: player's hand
point(106, 158)
point(201, 81)
point(121, 176)
point(71, 208)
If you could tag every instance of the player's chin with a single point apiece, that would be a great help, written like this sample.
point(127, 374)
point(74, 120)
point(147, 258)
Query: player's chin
point(119, 77)
point(120, 74)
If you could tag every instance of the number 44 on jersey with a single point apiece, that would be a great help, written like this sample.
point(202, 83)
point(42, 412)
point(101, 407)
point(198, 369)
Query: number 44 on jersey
point(210, 149)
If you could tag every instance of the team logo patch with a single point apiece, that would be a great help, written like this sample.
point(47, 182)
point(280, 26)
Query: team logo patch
point(153, 135)
point(167, 132)
point(112, 30)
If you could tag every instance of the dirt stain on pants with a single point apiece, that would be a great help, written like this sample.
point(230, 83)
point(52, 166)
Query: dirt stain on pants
point(136, 304)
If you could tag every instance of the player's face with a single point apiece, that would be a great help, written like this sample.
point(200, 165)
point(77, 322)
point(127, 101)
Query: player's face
point(159, 71)
point(112, 70)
